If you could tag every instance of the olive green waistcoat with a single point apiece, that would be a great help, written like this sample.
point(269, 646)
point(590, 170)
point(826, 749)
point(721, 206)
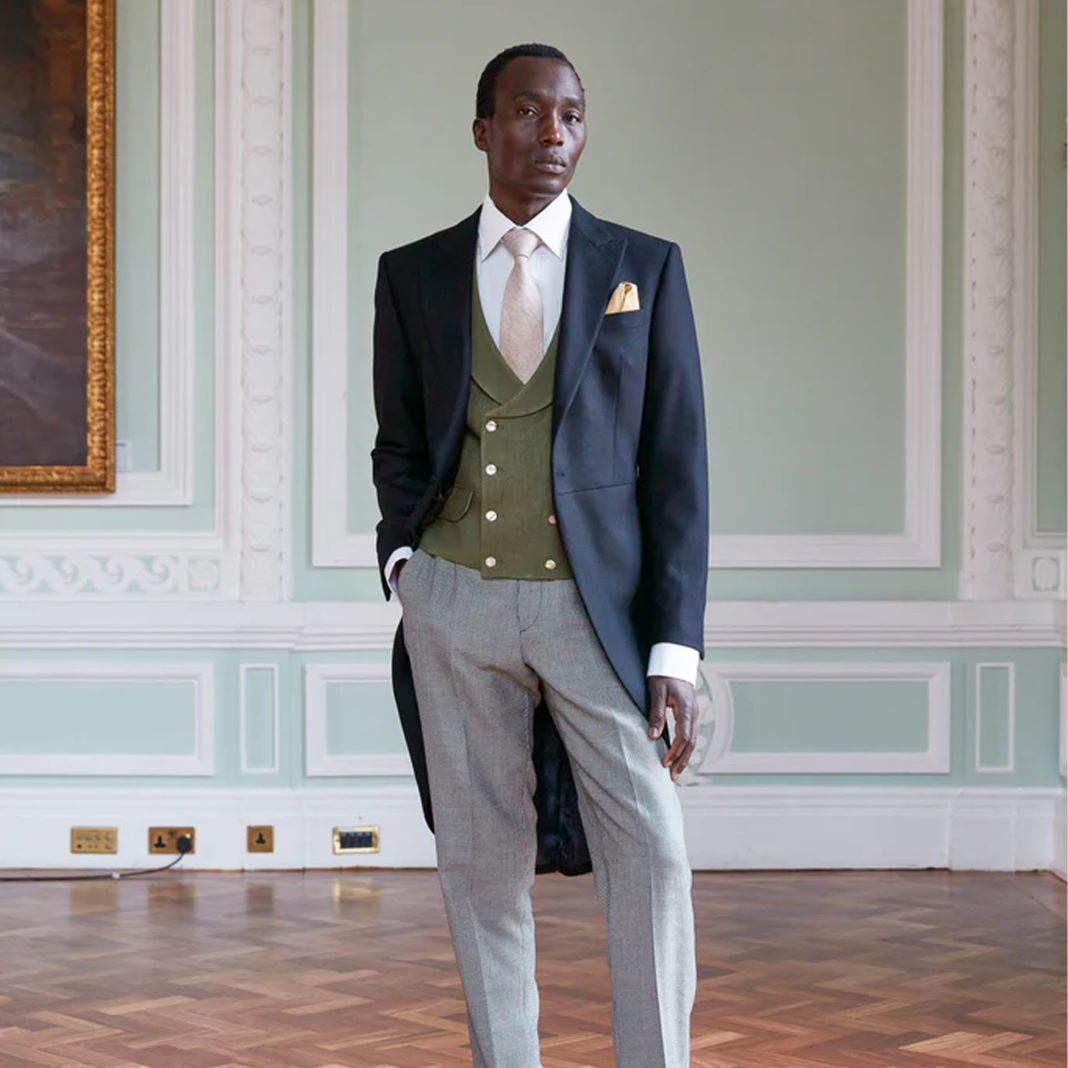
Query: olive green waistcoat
point(499, 517)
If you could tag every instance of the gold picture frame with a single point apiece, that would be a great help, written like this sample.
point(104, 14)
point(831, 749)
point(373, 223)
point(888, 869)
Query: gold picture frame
point(97, 472)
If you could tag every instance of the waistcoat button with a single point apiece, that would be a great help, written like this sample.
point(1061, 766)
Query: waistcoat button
point(550, 564)
point(491, 425)
point(491, 561)
point(552, 519)
point(491, 469)
point(491, 515)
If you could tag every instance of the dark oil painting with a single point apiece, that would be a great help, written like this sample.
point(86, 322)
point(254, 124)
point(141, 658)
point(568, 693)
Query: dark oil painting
point(46, 387)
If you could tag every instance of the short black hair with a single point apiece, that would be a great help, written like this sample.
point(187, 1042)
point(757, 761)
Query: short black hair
point(487, 82)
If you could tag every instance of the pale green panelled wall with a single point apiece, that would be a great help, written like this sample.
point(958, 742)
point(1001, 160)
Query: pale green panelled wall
point(781, 718)
point(800, 313)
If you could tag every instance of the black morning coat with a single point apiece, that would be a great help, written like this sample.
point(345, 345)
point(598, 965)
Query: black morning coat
point(628, 454)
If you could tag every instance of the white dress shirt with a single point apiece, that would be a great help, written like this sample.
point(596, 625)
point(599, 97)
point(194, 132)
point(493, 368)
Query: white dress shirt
point(493, 266)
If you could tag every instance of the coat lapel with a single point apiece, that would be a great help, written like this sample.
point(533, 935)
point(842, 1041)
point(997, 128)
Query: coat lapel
point(593, 258)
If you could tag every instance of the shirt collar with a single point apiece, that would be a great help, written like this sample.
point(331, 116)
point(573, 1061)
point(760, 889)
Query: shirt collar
point(550, 224)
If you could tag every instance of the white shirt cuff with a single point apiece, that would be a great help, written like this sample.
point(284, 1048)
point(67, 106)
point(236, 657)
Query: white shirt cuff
point(677, 661)
point(402, 552)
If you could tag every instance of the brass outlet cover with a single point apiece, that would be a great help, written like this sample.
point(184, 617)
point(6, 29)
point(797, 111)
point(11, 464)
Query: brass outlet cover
point(165, 839)
point(94, 839)
point(370, 834)
point(261, 839)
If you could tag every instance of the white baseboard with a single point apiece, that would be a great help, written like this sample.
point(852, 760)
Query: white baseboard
point(728, 828)
point(1059, 861)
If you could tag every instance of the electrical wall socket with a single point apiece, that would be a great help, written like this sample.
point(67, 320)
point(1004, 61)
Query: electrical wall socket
point(94, 839)
point(260, 839)
point(165, 839)
point(355, 839)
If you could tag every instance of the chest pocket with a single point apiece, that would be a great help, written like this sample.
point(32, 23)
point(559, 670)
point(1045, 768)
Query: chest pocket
point(624, 320)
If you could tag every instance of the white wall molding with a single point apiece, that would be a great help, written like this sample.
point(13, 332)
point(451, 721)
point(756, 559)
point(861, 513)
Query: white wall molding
point(721, 677)
point(318, 761)
point(783, 827)
point(1039, 556)
point(262, 310)
point(919, 543)
point(172, 484)
point(201, 676)
point(1003, 553)
point(1063, 718)
point(1059, 861)
point(1010, 761)
point(332, 545)
point(275, 721)
point(344, 625)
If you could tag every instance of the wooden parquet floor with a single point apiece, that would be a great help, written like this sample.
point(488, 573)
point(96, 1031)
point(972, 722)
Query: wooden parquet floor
point(919, 969)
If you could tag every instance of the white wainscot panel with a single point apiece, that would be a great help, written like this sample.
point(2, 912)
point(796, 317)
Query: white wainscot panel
point(318, 760)
point(718, 708)
point(198, 676)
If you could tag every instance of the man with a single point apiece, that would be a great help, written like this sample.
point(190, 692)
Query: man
point(540, 464)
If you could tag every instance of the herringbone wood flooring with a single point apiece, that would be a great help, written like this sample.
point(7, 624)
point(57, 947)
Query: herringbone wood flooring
point(797, 970)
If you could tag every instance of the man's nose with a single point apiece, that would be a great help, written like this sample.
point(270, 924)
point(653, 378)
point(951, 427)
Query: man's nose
point(550, 133)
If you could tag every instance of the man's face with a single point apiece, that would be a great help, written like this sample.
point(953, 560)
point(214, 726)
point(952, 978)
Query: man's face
point(538, 130)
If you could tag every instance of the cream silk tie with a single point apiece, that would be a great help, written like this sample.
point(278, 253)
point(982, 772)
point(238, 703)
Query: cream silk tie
point(522, 337)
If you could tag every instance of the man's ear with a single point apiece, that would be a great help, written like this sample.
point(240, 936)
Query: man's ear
point(478, 134)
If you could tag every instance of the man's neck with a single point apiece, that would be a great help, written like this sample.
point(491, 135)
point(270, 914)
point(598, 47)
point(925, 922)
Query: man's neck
point(519, 210)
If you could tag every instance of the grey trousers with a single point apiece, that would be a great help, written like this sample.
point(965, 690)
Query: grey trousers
point(482, 651)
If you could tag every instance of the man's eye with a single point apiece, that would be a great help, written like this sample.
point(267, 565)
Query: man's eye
point(525, 108)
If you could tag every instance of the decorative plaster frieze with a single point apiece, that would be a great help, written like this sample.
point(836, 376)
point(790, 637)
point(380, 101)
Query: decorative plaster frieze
point(1003, 554)
point(77, 573)
point(263, 310)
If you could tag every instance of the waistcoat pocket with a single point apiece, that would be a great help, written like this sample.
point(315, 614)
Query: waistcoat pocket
point(456, 504)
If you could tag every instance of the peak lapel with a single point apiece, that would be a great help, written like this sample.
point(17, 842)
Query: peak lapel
point(593, 257)
point(445, 293)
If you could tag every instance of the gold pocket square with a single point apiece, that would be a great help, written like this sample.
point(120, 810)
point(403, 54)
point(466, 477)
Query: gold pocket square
point(624, 298)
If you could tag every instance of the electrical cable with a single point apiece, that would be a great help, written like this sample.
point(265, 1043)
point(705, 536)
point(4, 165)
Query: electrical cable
point(183, 844)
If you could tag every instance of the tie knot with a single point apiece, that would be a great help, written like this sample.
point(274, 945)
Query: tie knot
point(521, 242)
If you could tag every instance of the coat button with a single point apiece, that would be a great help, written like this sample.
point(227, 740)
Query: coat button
point(550, 564)
point(491, 469)
point(491, 561)
point(491, 515)
point(552, 519)
point(491, 425)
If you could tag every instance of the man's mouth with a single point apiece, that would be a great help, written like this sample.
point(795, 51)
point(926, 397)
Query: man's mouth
point(554, 166)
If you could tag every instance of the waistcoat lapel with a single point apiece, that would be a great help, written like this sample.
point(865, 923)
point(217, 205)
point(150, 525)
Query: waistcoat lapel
point(446, 279)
